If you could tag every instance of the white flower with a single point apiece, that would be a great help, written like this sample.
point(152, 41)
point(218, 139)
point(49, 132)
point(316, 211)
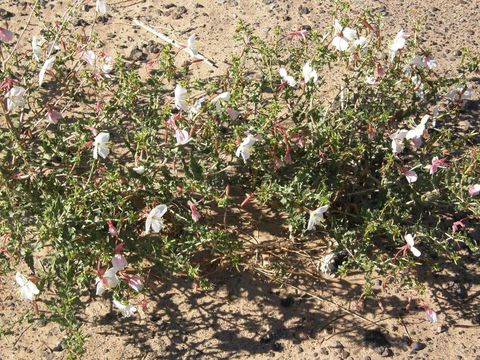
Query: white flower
point(316, 217)
point(102, 7)
point(288, 79)
point(397, 141)
point(47, 65)
point(344, 36)
point(109, 280)
point(126, 309)
point(15, 98)
point(370, 79)
point(417, 132)
point(474, 190)
point(100, 145)
point(107, 65)
point(119, 262)
point(27, 288)
point(139, 169)
point(191, 49)
point(182, 136)
point(411, 245)
point(37, 43)
point(360, 42)
point(90, 57)
point(180, 98)
point(309, 73)
point(154, 219)
point(411, 176)
point(398, 43)
point(219, 99)
point(245, 148)
point(195, 109)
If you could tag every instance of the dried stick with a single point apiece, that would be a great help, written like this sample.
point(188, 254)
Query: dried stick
point(172, 42)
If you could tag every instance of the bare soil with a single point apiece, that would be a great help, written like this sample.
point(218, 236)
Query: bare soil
point(242, 315)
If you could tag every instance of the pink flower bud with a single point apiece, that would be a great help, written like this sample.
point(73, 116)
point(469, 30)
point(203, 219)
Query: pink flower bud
point(194, 212)
point(112, 230)
point(136, 283)
point(53, 116)
point(119, 262)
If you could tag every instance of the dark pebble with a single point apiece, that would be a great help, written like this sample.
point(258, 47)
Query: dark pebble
point(418, 346)
point(287, 302)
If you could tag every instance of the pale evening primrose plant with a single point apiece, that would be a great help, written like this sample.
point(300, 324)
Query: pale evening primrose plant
point(126, 309)
point(15, 98)
point(397, 141)
point(102, 7)
point(411, 245)
point(416, 133)
point(316, 217)
point(398, 43)
point(344, 36)
point(47, 65)
point(100, 145)
point(139, 169)
point(182, 136)
point(411, 176)
point(309, 74)
point(244, 150)
point(108, 280)
point(474, 190)
point(286, 78)
point(191, 48)
point(154, 219)
point(28, 289)
point(220, 99)
point(180, 98)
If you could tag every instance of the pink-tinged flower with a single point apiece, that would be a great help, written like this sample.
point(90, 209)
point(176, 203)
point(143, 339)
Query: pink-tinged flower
point(108, 280)
point(136, 283)
point(112, 230)
point(119, 262)
point(233, 113)
point(194, 212)
point(182, 136)
point(424, 61)
point(53, 116)
point(411, 245)
point(474, 190)
point(6, 35)
point(300, 33)
point(436, 164)
point(431, 315)
point(411, 176)
point(457, 225)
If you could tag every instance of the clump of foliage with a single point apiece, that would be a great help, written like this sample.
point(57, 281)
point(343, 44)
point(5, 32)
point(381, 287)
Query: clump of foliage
point(112, 174)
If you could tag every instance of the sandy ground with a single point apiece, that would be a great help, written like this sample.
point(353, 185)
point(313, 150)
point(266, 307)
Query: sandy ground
point(243, 316)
